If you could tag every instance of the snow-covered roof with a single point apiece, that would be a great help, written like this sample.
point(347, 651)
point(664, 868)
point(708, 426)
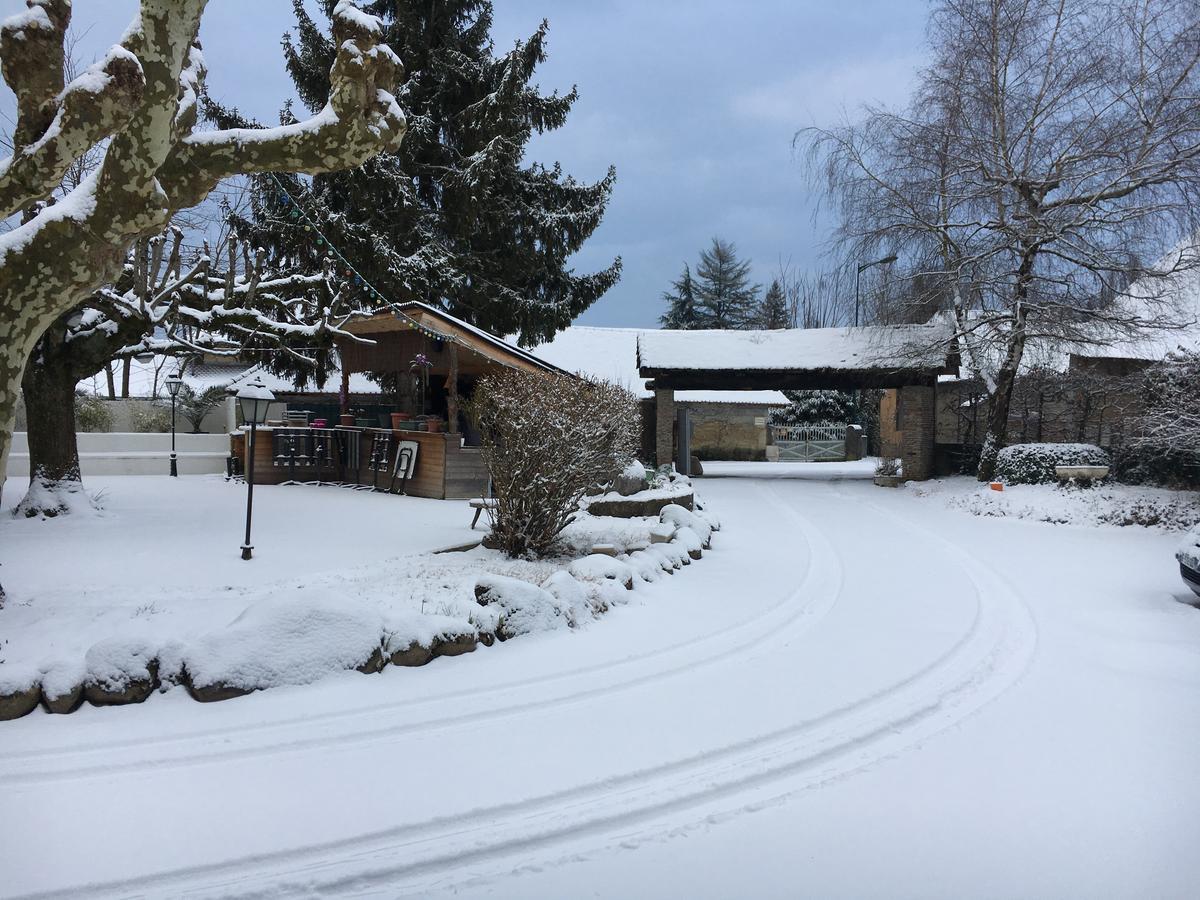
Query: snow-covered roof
point(611, 354)
point(839, 349)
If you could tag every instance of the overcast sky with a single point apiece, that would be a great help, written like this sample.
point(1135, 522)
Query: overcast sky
point(694, 101)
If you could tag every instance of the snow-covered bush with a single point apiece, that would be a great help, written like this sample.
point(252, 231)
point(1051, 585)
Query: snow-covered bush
point(92, 413)
point(547, 439)
point(151, 418)
point(1035, 463)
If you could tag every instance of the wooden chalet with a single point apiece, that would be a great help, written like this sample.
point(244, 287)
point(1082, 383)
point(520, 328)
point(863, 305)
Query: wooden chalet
point(429, 362)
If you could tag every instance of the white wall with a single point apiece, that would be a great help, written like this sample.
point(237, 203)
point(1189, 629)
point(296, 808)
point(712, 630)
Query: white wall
point(126, 453)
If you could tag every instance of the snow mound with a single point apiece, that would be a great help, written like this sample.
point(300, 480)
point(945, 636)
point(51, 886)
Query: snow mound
point(685, 518)
point(409, 627)
point(688, 540)
point(635, 470)
point(648, 566)
point(114, 663)
point(61, 677)
point(17, 677)
point(525, 608)
point(599, 567)
point(292, 640)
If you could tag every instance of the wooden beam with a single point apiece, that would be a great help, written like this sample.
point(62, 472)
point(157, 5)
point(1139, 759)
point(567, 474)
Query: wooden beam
point(786, 379)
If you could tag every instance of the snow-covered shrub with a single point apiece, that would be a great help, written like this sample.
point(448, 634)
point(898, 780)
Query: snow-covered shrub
point(547, 439)
point(92, 413)
point(1035, 463)
point(675, 514)
point(151, 418)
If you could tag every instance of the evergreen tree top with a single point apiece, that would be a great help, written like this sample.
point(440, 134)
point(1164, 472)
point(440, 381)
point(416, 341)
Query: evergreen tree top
point(455, 218)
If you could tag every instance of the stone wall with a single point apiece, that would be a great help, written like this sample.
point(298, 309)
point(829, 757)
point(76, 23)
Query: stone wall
point(728, 430)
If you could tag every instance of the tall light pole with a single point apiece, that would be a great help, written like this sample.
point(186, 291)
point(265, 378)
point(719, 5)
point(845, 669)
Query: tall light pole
point(174, 383)
point(253, 399)
point(858, 275)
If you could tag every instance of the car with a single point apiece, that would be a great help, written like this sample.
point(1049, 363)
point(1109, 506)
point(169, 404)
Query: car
point(1188, 555)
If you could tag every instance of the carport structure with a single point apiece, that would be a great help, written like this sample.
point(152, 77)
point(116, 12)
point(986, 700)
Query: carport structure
point(906, 357)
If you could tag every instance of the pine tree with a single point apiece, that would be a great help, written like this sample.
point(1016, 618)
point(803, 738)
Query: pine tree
point(454, 218)
point(681, 302)
point(725, 297)
point(774, 312)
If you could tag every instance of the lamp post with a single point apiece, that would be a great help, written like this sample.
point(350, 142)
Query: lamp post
point(858, 274)
point(174, 383)
point(253, 401)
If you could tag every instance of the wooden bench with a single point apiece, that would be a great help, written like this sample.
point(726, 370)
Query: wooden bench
point(479, 504)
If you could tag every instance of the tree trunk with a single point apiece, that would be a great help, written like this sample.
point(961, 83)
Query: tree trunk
point(452, 400)
point(125, 365)
point(112, 386)
point(1006, 381)
point(55, 481)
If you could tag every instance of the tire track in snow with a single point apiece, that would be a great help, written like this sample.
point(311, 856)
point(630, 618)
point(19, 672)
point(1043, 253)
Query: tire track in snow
point(647, 804)
point(798, 611)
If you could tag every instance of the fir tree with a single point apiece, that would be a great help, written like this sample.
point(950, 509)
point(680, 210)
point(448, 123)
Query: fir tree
point(681, 302)
point(774, 312)
point(725, 297)
point(453, 218)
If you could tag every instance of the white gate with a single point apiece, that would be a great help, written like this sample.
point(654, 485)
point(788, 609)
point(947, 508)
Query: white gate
point(810, 443)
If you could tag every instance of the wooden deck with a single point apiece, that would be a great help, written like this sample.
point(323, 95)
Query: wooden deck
point(445, 470)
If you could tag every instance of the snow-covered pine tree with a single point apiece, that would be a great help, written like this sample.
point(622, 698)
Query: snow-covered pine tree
point(681, 302)
point(774, 312)
point(725, 297)
point(455, 218)
point(817, 407)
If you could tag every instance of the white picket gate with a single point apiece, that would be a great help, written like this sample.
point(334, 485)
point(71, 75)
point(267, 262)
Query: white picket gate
point(810, 443)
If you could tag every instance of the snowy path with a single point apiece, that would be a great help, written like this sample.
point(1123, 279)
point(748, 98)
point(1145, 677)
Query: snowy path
point(847, 664)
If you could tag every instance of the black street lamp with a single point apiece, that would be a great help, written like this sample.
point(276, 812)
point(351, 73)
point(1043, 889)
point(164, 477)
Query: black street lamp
point(858, 274)
point(253, 400)
point(174, 383)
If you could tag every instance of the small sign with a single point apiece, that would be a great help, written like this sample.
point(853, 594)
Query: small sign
point(760, 421)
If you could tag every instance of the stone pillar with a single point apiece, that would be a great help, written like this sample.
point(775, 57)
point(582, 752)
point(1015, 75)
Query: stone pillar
point(918, 417)
point(664, 426)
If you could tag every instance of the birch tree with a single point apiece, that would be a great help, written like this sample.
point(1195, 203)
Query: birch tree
point(1049, 158)
point(140, 104)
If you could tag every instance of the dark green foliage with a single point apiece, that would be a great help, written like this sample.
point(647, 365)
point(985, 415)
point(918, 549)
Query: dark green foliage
point(455, 218)
point(1035, 463)
point(774, 311)
point(681, 302)
point(725, 297)
point(813, 407)
point(1147, 464)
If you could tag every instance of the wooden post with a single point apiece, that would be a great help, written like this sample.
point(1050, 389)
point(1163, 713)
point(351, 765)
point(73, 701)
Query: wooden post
point(452, 390)
point(344, 394)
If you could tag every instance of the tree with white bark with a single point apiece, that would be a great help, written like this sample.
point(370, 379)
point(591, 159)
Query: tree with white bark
point(140, 104)
point(169, 306)
point(1051, 149)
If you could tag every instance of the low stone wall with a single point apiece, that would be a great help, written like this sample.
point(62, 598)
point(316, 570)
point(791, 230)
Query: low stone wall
point(134, 453)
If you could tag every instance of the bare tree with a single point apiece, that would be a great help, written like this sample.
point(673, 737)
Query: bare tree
point(140, 103)
point(1051, 147)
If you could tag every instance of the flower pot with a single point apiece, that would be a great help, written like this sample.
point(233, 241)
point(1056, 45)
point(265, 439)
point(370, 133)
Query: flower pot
point(433, 424)
point(397, 418)
point(346, 419)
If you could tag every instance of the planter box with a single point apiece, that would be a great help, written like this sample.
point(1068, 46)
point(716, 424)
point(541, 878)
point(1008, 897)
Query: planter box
point(892, 481)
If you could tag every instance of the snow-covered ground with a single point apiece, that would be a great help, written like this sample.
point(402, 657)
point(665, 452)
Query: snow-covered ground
point(857, 693)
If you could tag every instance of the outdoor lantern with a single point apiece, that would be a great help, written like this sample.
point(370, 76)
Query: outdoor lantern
point(253, 399)
point(174, 383)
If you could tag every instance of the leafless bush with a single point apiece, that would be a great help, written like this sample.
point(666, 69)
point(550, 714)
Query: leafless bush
point(546, 440)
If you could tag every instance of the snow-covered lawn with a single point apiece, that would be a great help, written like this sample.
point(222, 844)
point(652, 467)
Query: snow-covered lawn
point(858, 692)
point(158, 572)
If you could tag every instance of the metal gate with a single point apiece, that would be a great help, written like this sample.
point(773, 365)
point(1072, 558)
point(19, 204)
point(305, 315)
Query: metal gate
point(810, 443)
